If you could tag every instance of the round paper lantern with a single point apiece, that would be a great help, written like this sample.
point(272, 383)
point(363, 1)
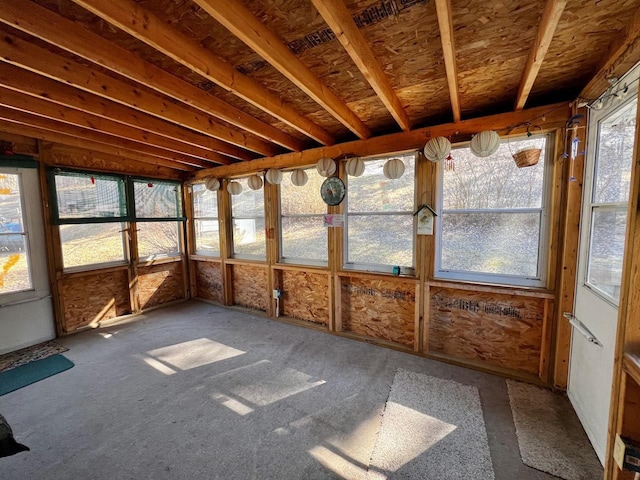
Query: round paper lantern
point(355, 167)
point(393, 169)
point(273, 176)
point(255, 182)
point(437, 149)
point(212, 183)
point(299, 178)
point(485, 143)
point(234, 188)
point(326, 167)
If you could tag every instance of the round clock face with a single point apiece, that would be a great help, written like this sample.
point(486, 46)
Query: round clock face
point(332, 191)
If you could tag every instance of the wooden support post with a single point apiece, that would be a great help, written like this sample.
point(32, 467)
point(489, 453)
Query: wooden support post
point(568, 263)
point(271, 213)
point(52, 239)
point(226, 239)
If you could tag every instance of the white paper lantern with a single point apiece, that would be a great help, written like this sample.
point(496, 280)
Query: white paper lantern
point(274, 176)
point(212, 183)
point(234, 188)
point(299, 178)
point(485, 143)
point(437, 149)
point(355, 167)
point(255, 182)
point(393, 169)
point(326, 167)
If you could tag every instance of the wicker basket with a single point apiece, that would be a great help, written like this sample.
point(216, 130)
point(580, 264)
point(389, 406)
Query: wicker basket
point(527, 157)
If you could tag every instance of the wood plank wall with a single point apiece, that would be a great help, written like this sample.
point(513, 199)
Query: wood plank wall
point(511, 331)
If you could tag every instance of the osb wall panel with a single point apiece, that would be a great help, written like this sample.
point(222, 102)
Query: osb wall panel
point(379, 309)
point(250, 286)
point(499, 329)
point(89, 299)
point(305, 296)
point(158, 284)
point(209, 281)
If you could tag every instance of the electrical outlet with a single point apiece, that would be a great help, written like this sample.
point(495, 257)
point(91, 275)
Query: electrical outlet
point(276, 293)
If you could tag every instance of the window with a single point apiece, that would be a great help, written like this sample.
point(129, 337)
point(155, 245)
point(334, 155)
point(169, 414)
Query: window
point(247, 216)
point(379, 224)
point(158, 213)
point(609, 200)
point(94, 212)
point(15, 272)
point(91, 210)
point(205, 220)
point(303, 236)
point(491, 224)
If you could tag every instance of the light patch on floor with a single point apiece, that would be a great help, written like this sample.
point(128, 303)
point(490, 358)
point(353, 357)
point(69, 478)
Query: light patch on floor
point(232, 404)
point(269, 383)
point(194, 353)
point(337, 463)
point(420, 432)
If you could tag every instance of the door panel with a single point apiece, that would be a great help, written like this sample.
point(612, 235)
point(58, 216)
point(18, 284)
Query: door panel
point(602, 237)
point(26, 312)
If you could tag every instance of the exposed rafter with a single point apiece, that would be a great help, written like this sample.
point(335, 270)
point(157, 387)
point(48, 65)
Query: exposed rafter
point(548, 23)
point(445, 23)
point(620, 57)
point(244, 25)
point(46, 109)
point(26, 55)
point(163, 157)
point(339, 19)
point(146, 27)
point(122, 156)
point(46, 25)
point(29, 83)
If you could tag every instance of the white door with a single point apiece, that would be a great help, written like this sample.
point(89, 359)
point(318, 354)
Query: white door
point(602, 237)
point(26, 312)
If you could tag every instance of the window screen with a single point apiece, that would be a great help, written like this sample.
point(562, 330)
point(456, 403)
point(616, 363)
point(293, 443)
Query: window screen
point(89, 196)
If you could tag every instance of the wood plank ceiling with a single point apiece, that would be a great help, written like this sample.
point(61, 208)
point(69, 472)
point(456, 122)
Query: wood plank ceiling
point(191, 84)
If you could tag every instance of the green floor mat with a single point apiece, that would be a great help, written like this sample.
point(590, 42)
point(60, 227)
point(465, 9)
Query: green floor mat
point(32, 372)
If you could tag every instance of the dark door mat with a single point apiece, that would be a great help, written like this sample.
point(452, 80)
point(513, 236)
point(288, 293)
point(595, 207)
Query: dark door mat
point(32, 372)
point(29, 354)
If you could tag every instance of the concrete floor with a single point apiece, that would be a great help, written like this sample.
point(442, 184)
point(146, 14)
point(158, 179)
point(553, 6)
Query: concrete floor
point(197, 391)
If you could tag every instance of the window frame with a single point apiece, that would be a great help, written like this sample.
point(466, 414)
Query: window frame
point(244, 256)
point(544, 241)
point(196, 218)
point(296, 260)
point(127, 221)
point(375, 267)
point(58, 221)
point(180, 217)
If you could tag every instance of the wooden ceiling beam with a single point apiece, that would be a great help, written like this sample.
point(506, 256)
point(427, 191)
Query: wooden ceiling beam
point(555, 117)
point(50, 110)
point(620, 56)
point(243, 24)
point(161, 156)
point(148, 28)
point(339, 19)
point(28, 56)
point(445, 23)
point(46, 25)
point(29, 83)
point(60, 140)
point(548, 23)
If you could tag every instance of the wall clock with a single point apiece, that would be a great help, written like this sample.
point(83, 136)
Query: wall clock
point(332, 191)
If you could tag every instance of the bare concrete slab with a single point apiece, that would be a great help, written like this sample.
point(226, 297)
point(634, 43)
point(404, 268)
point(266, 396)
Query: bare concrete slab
point(197, 391)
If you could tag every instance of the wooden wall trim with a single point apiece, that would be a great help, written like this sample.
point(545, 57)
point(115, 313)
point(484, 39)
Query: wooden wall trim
point(555, 116)
point(517, 291)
